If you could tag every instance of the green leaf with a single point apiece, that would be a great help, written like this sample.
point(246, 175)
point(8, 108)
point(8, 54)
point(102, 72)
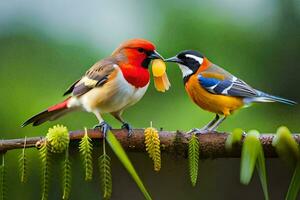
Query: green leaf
point(250, 151)
point(288, 150)
point(286, 146)
point(120, 153)
point(261, 170)
point(193, 157)
point(233, 138)
point(294, 185)
point(253, 155)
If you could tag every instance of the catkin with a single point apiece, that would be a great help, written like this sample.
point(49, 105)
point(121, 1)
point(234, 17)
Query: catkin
point(152, 143)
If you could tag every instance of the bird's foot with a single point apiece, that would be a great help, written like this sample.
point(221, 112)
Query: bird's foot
point(198, 131)
point(128, 128)
point(103, 127)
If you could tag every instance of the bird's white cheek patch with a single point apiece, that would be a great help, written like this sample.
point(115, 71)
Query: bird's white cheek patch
point(198, 59)
point(185, 70)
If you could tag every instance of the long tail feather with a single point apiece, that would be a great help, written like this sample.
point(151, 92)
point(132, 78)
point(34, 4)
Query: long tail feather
point(264, 97)
point(280, 100)
point(50, 114)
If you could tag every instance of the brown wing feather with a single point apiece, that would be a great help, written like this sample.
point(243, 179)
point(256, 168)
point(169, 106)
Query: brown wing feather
point(217, 71)
point(96, 76)
point(71, 88)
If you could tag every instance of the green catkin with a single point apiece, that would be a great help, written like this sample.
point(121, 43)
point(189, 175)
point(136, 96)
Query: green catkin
point(152, 143)
point(85, 149)
point(67, 176)
point(58, 139)
point(193, 157)
point(105, 174)
point(45, 156)
point(23, 164)
point(3, 186)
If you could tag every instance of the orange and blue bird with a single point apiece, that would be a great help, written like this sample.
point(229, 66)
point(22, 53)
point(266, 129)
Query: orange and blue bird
point(214, 89)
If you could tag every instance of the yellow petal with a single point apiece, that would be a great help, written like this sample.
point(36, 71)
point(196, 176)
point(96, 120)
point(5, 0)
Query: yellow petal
point(159, 84)
point(166, 81)
point(162, 83)
point(158, 67)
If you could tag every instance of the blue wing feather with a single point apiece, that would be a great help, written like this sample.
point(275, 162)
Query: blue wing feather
point(228, 87)
point(222, 86)
point(208, 82)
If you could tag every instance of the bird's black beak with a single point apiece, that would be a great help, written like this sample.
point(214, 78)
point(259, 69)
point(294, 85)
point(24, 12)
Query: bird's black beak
point(173, 59)
point(155, 55)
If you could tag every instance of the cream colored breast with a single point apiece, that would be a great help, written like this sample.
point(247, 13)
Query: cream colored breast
point(113, 96)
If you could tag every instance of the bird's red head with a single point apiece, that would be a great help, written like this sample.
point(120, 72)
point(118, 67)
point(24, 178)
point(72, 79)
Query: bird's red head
point(133, 57)
point(137, 52)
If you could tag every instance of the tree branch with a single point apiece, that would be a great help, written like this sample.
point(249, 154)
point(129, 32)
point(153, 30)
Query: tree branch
point(212, 145)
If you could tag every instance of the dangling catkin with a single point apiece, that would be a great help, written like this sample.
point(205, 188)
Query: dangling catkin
point(152, 143)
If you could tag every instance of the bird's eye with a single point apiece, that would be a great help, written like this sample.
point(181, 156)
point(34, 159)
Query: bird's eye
point(141, 50)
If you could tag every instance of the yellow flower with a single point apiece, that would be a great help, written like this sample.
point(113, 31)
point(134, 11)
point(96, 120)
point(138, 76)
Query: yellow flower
point(161, 81)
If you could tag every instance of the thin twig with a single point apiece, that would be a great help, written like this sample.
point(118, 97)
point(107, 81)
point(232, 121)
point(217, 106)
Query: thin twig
point(212, 145)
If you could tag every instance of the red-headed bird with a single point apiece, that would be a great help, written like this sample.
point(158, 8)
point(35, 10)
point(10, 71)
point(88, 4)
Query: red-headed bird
point(216, 90)
point(110, 86)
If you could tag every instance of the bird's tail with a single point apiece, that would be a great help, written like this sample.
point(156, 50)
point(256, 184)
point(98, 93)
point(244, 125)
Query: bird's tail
point(50, 114)
point(264, 97)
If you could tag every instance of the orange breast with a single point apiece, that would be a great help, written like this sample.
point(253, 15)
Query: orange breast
point(219, 104)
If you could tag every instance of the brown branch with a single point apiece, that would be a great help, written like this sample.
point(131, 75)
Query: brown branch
point(212, 145)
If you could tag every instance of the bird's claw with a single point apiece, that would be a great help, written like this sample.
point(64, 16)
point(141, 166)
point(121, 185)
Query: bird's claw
point(128, 128)
point(198, 131)
point(103, 127)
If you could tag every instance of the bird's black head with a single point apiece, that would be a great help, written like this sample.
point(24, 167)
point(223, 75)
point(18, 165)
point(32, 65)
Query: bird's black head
point(189, 61)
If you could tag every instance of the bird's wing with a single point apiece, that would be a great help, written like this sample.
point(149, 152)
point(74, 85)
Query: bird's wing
point(71, 88)
point(219, 81)
point(96, 76)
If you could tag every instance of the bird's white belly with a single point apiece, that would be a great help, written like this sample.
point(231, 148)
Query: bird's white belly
point(113, 96)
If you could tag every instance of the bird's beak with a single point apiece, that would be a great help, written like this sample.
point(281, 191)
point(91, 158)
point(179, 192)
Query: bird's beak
point(173, 59)
point(155, 55)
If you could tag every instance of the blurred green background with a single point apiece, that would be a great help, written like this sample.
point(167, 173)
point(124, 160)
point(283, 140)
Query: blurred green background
point(46, 45)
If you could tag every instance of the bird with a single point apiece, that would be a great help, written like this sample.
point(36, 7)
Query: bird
point(216, 90)
point(110, 86)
